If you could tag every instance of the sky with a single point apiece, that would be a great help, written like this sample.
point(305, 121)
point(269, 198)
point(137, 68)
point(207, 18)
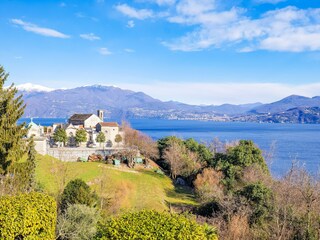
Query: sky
point(193, 51)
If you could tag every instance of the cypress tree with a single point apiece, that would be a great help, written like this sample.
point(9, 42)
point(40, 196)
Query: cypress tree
point(12, 146)
point(31, 161)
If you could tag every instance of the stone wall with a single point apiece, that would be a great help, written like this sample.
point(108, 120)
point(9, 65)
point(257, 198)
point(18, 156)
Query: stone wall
point(72, 154)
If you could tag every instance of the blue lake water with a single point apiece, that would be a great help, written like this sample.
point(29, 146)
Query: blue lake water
point(299, 142)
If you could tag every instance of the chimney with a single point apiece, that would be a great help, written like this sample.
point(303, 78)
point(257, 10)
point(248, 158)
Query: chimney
point(100, 114)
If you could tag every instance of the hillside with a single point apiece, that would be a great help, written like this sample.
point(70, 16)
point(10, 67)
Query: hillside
point(127, 188)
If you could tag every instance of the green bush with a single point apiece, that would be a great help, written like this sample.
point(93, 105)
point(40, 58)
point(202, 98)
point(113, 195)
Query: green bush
point(149, 224)
point(78, 222)
point(78, 192)
point(27, 216)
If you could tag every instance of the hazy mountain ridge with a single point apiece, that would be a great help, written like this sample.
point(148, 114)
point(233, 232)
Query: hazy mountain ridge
point(119, 103)
point(287, 103)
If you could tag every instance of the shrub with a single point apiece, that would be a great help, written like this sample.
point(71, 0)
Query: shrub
point(259, 197)
point(78, 222)
point(77, 192)
point(27, 216)
point(148, 224)
point(207, 185)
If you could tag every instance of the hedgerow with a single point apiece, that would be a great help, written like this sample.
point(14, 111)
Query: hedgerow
point(149, 224)
point(27, 216)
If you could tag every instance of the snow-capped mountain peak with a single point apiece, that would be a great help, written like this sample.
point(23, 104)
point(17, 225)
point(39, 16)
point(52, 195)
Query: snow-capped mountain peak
point(30, 87)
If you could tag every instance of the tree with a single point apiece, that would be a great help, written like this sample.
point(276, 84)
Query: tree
point(101, 138)
point(118, 139)
point(208, 185)
point(259, 198)
point(12, 146)
point(31, 161)
point(236, 160)
point(77, 192)
point(60, 136)
point(81, 136)
point(137, 140)
point(181, 161)
point(77, 222)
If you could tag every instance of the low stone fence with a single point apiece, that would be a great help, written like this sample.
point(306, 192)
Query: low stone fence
point(72, 154)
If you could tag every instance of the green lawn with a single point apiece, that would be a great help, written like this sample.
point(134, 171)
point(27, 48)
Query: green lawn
point(128, 189)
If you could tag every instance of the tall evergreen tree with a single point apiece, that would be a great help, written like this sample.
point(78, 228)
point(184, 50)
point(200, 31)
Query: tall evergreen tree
point(31, 161)
point(12, 146)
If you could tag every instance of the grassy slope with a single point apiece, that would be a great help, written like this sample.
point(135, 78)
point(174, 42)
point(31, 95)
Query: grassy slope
point(142, 189)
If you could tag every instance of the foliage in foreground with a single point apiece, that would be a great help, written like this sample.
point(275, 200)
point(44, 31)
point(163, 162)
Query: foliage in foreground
point(12, 147)
point(154, 225)
point(27, 216)
point(78, 222)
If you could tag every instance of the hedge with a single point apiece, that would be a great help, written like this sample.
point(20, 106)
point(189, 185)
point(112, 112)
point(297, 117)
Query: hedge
point(27, 216)
point(148, 224)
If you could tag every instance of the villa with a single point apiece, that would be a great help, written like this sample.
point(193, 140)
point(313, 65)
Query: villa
point(92, 124)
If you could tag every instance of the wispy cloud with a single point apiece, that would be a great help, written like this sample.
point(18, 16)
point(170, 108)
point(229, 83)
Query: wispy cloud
point(90, 36)
point(80, 15)
point(130, 24)
point(30, 27)
point(104, 51)
point(133, 12)
point(269, 1)
point(63, 4)
point(160, 2)
point(129, 50)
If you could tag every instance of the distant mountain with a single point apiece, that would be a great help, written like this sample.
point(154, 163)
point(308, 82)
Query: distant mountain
point(117, 103)
point(293, 115)
point(120, 103)
point(287, 103)
point(29, 87)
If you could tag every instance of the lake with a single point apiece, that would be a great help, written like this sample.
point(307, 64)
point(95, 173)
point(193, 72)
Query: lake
point(292, 142)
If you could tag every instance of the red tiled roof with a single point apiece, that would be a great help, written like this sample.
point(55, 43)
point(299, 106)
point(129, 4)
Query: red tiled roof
point(109, 124)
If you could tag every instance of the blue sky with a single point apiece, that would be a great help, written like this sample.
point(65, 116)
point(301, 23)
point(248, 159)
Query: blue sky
point(194, 51)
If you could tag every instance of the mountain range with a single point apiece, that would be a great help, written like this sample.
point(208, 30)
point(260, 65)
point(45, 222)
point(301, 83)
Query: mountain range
point(122, 104)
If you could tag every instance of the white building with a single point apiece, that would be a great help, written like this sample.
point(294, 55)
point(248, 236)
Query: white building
point(110, 130)
point(86, 120)
point(35, 130)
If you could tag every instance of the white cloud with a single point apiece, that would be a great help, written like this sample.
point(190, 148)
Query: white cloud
point(269, 1)
point(89, 36)
point(134, 13)
point(129, 50)
point(80, 15)
point(195, 7)
point(130, 24)
point(220, 93)
point(165, 2)
point(287, 29)
point(104, 51)
point(30, 27)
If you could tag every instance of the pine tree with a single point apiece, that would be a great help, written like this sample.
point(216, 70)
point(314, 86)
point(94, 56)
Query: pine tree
point(31, 161)
point(12, 146)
